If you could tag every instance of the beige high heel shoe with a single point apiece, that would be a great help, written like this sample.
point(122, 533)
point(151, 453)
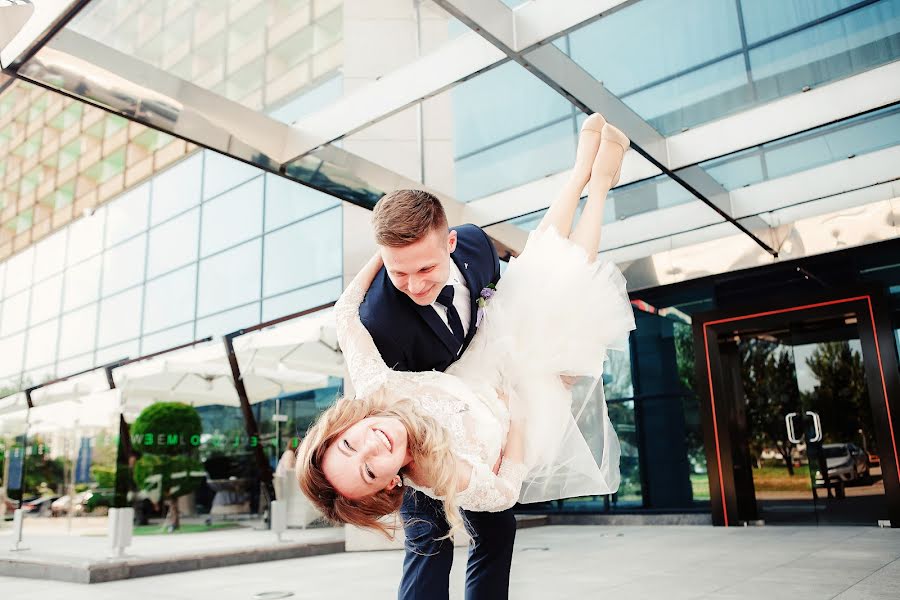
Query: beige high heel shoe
point(614, 135)
point(588, 145)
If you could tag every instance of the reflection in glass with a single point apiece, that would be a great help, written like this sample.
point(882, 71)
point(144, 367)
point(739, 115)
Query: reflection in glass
point(15, 313)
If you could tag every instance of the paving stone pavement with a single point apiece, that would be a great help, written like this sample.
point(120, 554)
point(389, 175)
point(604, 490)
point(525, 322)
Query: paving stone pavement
point(559, 562)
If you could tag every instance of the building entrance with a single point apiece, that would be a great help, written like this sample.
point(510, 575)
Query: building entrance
point(801, 413)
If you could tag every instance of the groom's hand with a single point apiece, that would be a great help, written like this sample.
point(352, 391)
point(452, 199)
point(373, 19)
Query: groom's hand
point(496, 468)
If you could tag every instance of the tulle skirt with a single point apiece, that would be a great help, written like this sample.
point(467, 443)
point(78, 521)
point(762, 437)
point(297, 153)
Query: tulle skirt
point(554, 313)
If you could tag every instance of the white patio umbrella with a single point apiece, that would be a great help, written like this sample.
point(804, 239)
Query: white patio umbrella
point(73, 388)
point(305, 344)
point(201, 376)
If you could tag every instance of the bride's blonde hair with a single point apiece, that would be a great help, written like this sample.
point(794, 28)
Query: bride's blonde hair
point(429, 446)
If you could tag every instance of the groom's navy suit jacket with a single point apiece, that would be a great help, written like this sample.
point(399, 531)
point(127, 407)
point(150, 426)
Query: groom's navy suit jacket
point(414, 338)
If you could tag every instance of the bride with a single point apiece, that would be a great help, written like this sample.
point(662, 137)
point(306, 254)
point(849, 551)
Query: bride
point(550, 319)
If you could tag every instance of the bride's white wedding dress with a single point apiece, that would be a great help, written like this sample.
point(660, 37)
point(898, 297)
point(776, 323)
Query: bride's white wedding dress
point(552, 313)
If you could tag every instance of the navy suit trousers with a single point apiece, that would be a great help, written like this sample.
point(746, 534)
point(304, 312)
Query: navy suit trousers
point(426, 568)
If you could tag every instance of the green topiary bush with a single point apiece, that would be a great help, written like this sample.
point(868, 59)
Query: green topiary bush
point(167, 434)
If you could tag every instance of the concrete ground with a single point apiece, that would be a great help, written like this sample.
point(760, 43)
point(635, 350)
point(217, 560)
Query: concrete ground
point(557, 562)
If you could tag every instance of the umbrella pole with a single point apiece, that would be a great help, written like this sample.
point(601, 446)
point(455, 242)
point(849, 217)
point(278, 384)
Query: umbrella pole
point(265, 470)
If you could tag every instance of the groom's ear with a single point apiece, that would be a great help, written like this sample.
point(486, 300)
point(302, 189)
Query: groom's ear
point(451, 240)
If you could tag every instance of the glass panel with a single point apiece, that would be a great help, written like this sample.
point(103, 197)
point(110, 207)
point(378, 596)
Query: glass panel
point(318, 97)
point(123, 266)
point(46, 299)
point(173, 244)
point(302, 299)
point(77, 331)
point(498, 130)
point(82, 283)
point(703, 70)
point(19, 271)
point(253, 54)
point(49, 255)
point(15, 313)
point(130, 349)
point(120, 317)
point(170, 300)
point(228, 321)
point(176, 189)
point(221, 173)
point(41, 344)
point(14, 347)
point(851, 137)
point(288, 201)
point(766, 18)
point(127, 215)
point(175, 336)
point(85, 238)
point(232, 218)
point(311, 243)
point(230, 278)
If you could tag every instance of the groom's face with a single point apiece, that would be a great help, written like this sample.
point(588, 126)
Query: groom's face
point(421, 269)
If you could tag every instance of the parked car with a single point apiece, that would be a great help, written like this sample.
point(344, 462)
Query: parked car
point(62, 505)
point(845, 462)
point(40, 505)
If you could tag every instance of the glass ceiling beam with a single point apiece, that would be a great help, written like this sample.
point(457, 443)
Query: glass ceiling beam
point(498, 24)
point(25, 27)
point(452, 63)
point(92, 72)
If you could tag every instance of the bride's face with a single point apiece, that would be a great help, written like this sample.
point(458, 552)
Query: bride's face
point(366, 458)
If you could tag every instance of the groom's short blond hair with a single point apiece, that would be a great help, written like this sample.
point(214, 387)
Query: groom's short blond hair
point(406, 216)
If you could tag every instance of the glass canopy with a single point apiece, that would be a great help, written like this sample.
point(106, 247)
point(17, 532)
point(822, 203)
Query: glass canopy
point(735, 110)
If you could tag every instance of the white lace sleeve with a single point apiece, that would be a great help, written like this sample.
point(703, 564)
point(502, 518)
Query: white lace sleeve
point(368, 371)
point(492, 493)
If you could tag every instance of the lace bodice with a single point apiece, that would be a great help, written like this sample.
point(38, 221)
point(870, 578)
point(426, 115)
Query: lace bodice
point(470, 410)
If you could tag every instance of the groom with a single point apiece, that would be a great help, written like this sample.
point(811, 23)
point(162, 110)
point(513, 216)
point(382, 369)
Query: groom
point(421, 312)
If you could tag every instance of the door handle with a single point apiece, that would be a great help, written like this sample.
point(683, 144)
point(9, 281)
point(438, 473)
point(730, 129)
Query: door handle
point(789, 424)
point(817, 425)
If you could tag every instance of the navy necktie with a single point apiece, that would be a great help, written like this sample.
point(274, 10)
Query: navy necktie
point(445, 299)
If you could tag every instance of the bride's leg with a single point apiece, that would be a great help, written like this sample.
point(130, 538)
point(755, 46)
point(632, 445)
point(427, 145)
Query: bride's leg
point(604, 175)
point(562, 210)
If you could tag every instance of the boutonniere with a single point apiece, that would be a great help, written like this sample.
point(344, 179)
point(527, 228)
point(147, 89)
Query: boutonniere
point(487, 292)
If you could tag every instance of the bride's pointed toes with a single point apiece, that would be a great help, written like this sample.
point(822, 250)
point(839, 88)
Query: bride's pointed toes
point(613, 134)
point(594, 122)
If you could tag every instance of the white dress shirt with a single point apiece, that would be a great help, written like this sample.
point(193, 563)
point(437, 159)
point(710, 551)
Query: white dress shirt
point(461, 299)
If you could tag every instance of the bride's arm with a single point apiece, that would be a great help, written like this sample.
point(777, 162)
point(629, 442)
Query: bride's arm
point(367, 369)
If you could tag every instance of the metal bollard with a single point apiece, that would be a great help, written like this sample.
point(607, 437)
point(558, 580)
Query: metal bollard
point(120, 527)
point(278, 510)
point(18, 518)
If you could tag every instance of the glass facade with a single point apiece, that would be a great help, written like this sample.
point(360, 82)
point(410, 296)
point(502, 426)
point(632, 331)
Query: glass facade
point(119, 240)
point(160, 265)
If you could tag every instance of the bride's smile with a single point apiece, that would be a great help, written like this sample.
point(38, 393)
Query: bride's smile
point(367, 457)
